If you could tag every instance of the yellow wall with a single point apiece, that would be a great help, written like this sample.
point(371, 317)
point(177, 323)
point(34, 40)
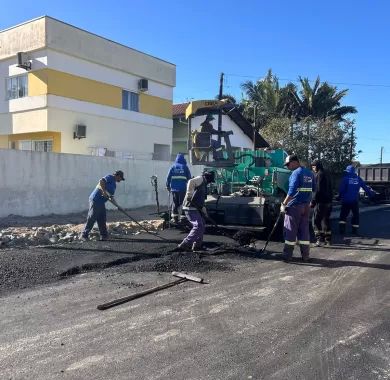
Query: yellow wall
point(4, 142)
point(153, 105)
point(48, 81)
point(37, 83)
point(55, 136)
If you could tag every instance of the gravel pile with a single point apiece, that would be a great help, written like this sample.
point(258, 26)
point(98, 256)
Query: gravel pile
point(56, 234)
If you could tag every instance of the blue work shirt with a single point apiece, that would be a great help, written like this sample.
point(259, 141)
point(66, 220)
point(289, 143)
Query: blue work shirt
point(178, 174)
point(301, 184)
point(96, 195)
point(350, 186)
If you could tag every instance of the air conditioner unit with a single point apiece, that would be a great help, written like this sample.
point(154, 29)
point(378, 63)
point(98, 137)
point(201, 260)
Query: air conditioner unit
point(143, 85)
point(23, 61)
point(80, 132)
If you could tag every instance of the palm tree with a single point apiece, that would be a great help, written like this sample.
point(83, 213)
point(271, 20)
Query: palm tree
point(265, 99)
point(320, 102)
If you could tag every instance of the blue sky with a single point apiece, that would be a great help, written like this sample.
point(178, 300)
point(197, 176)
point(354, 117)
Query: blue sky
point(345, 42)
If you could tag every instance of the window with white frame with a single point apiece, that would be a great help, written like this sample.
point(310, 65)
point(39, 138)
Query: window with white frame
point(130, 101)
point(17, 87)
point(36, 145)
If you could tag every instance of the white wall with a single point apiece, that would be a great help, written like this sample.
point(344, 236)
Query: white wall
point(35, 183)
point(114, 134)
point(238, 139)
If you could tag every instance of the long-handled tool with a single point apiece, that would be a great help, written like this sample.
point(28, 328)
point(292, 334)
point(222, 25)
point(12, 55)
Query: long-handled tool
point(169, 209)
point(182, 278)
point(113, 201)
point(153, 180)
point(271, 233)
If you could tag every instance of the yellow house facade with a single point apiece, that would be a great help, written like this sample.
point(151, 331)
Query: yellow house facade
point(71, 91)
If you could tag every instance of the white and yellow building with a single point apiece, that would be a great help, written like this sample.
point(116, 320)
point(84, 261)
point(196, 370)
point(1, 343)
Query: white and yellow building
point(75, 84)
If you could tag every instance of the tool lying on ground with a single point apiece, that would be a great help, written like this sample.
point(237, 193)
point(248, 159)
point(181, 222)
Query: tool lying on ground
point(113, 201)
point(271, 233)
point(153, 181)
point(182, 278)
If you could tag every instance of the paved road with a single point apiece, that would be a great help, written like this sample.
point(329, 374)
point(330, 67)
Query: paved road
point(258, 318)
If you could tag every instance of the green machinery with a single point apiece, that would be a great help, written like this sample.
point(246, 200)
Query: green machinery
point(250, 185)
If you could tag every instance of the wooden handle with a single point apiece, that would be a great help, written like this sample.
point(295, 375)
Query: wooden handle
point(120, 301)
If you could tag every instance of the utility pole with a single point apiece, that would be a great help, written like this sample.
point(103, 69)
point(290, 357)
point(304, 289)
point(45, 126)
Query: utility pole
point(381, 161)
point(254, 125)
point(220, 111)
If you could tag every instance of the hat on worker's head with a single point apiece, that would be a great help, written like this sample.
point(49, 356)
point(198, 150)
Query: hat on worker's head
point(209, 117)
point(317, 164)
point(209, 176)
point(291, 158)
point(119, 173)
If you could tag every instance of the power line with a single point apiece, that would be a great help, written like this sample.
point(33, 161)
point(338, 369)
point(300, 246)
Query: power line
point(313, 80)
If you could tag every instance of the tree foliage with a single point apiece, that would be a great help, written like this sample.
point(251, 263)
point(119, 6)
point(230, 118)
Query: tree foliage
point(308, 120)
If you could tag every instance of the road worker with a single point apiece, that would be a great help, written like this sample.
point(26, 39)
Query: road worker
point(176, 183)
point(322, 204)
point(296, 207)
point(104, 191)
point(194, 208)
point(349, 196)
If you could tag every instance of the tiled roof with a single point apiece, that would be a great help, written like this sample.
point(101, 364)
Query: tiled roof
point(179, 109)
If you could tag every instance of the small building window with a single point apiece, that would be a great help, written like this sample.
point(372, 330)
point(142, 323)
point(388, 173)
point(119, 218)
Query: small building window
point(162, 152)
point(36, 145)
point(17, 87)
point(130, 101)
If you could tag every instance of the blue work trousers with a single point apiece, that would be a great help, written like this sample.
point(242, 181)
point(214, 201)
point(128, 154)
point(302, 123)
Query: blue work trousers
point(96, 213)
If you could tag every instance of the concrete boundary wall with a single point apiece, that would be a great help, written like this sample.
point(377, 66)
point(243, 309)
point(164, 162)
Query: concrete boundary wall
point(39, 183)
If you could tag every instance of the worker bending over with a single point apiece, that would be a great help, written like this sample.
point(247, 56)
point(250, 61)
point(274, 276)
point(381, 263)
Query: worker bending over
point(194, 208)
point(104, 191)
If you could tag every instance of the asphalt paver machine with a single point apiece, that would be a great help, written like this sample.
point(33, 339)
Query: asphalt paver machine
point(250, 185)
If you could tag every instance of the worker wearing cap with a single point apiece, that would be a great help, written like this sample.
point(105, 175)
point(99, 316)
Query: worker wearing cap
point(194, 208)
point(349, 197)
point(296, 207)
point(176, 183)
point(322, 204)
point(104, 191)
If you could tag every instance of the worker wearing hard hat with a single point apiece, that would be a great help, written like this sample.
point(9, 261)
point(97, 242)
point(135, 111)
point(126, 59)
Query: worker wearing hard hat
point(296, 207)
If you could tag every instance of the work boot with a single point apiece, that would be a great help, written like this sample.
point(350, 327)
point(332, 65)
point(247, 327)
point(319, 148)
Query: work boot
point(103, 238)
point(84, 237)
point(319, 243)
point(182, 247)
point(196, 246)
point(306, 259)
point(355, 230)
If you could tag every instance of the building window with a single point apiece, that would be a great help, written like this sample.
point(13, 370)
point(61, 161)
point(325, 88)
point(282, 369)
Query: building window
point(162, 152)
point(17, 87)
point(130, 101)
point(36, 145)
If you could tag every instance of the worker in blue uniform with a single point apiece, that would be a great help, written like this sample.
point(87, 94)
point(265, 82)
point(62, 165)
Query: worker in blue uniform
point(176, 183)
point(349, 196)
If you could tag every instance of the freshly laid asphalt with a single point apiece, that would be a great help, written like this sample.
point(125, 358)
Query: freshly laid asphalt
point(255, 318)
